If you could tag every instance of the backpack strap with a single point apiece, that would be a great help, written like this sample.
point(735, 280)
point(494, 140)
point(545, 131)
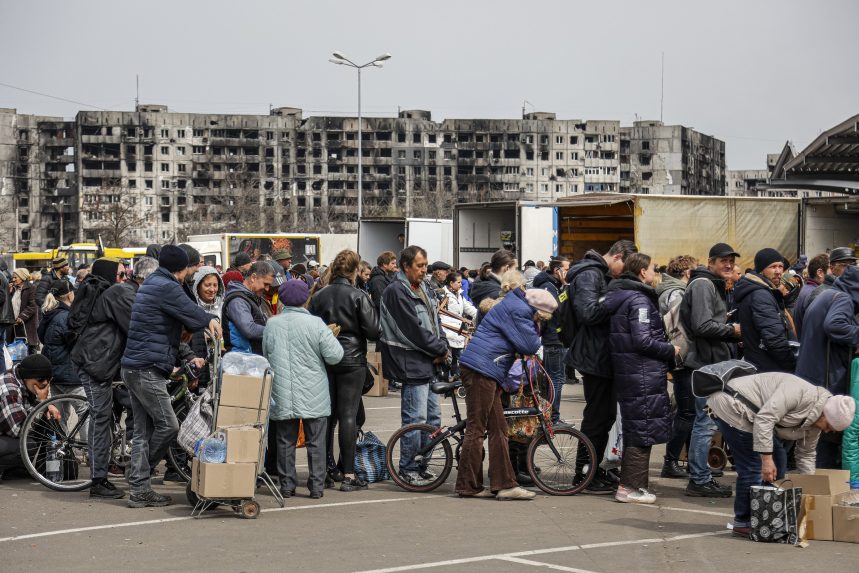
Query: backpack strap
point(739, 397)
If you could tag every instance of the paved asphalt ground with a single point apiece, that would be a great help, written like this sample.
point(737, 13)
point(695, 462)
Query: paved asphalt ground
point(387, 529)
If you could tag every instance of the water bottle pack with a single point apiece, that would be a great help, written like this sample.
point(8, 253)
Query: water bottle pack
point(244, 364)
point(53, 463)
point(212, 450)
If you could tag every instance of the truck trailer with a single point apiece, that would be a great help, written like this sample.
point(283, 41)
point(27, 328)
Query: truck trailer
point(379, 234)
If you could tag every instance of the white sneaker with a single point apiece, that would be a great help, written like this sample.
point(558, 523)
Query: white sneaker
point(625, 495)
point(515, 493)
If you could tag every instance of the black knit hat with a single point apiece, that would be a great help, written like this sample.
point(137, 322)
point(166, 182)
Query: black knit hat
point(61, 287)
point(173, 258)
point(35, 366)
point(766, 257)
point(193, 254)
point(241, 259)
point(106, 268)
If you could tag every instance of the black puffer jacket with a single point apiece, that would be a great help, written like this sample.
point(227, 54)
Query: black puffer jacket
point(102, 342)
point(351, 308)
point(547, 282)
point(52, 333)
point(379, 280)
point(44, 286)
point(704, 312)
point(588, 280)
point(764, 327)
point(640, 356)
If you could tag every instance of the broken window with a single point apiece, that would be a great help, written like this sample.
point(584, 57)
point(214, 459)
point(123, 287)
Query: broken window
point(431, 138)
point(131, 166)
point(148, 183)
point(181, 167)
point(165, 216)
point(132, 183)
point(165, 168)
point(645, 145)
point(165, 133)
point(180, 133)
point(416, 138)
point(199, 133)
point(165, 184)
point(559, 156)
point(199, 149)
point(180, 150)
point(416, 154)
point(401, 154)
point(182, 183)
point(147, 201)
point(181, 200)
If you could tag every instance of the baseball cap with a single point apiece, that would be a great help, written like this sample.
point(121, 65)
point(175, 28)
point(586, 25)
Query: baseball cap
point(723, 250)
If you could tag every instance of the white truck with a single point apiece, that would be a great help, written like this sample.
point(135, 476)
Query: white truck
point(379, 234)
point(220, 249)
point(829, 222)
point(662, 226)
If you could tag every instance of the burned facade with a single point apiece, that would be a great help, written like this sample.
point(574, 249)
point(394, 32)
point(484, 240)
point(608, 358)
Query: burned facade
point(151, 175)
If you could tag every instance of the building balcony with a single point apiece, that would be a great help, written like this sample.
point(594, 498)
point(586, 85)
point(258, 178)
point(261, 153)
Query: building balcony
point(110, 173)
point(101, 138)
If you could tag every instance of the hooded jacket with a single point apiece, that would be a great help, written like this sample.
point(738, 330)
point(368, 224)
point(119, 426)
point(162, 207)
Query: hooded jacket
point(640, 356)
point(789, 407)
point(548, 282)
point(351, 308)
point(411, 336)
point(52, 333)
point(765, 328)
point(29, 312)
point(802, 306)
point(588, 280)
point(379, 281)
point(833, 320)
point(244, 320)
point(198, 339)
point(507, 329)
point(483, 289)
point(704, 312)
point(670, 292)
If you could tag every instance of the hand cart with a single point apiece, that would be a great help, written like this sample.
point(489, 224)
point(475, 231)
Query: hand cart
point(248, 508)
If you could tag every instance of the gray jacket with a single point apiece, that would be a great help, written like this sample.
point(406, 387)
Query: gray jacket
point(789, 407)
point(704, 312)
point(670, 292)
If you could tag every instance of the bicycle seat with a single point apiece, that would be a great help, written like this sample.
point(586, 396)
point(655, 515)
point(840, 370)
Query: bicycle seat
point(445, 387)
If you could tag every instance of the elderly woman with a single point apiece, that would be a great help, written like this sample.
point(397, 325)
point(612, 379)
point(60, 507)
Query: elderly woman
point(25, 310)
point(511, 327)
point(299, 346)
point(209, 292)
point(52, 332)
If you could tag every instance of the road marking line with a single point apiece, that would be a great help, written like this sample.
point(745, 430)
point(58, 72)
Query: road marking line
point(687, 510)
point(187, 518)
point(541, 564)
point(515, 554)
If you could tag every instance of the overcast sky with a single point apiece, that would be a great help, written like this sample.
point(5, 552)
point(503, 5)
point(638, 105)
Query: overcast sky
point(752, 73)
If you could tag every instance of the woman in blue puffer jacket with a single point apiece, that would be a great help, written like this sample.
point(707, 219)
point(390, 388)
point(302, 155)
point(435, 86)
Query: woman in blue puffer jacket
point(640, 357)
point(511, 327)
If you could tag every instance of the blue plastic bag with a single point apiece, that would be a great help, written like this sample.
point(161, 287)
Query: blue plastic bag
point(18, 350)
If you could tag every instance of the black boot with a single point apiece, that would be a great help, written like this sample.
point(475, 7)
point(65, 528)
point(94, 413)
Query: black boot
point(671, 469)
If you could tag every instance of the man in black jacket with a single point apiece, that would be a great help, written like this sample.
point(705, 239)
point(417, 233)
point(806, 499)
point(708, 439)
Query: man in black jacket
point(554, 279)
point(490, 287)
point(588, 280)
point(704, 312)
point(59, 271)
point(760, 308)
point(381, 276)
point(839, 259)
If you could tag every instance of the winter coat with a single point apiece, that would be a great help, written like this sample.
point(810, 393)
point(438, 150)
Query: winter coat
point(765, 328)
point(52, 334)
point(799, 307)
point(457, 304)
point(850, 441)
point(244, 319)
point(670, 292)
point(379, 280)
point(588, 280)
point(704, 312)
point(198, 339)
point(411, 336)
point(351, 308)
point(483, 289)
point(44, 286)
point(789, 407)
point(530, 273)
point(7, 313)
point(160, 310)
point(29, 313)
point(507, 329)
point(100, 346)
point(833, 319)
point(548, 282)
point(640, 356)
point(465, 288)
point(298, 345)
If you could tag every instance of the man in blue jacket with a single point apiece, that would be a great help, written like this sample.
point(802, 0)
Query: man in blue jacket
point(830, 336)
point(412, 345)
point(160, 310)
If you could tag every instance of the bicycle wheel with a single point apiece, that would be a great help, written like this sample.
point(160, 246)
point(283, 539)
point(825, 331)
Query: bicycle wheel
point(434, 464)
point(55, 452)
point(552, 462)
point(177, 457)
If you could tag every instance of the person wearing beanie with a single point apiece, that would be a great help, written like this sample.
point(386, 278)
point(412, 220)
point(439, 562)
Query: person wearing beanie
point(21, 388)
point(160, 311)
point(24, 309)
point(762, 409)
point(299, 346)
point(195, 261)
point(767, 327)
point(241, 263)
point(60, 270)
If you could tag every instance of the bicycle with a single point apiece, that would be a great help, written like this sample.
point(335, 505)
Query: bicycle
point(56, 452)
point(559, 459)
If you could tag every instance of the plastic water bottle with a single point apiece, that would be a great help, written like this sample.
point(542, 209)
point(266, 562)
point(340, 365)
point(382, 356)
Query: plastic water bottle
point(851, 499)
point(53, 464)
point(213, 450)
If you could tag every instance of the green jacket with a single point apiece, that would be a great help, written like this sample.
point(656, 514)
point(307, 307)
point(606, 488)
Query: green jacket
point(850, 440)
point(298, 345)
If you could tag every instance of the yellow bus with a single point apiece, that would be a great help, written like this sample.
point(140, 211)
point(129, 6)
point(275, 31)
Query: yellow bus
point(77, 254)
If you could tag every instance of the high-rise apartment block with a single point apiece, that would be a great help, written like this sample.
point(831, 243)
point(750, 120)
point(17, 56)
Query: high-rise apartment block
point(151, 175)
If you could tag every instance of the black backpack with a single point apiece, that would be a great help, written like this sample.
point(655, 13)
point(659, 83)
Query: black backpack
point(86, 296)
point(566, 316)
point(713, 378)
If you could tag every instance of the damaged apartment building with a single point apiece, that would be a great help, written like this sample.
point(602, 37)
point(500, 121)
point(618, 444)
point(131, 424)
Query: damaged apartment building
point(155, 175)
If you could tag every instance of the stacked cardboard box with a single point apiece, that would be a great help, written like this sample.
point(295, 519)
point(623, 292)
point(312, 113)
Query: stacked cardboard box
point(380, 386)
point(223, 481)
point(243, 400)
point(820, 493)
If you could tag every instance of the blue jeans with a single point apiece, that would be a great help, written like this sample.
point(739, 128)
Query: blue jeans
point(699, 444)
point(417, 406)
point(748, 464)
point(553, 362)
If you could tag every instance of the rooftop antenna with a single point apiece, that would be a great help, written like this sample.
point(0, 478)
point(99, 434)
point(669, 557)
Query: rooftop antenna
point(137, 93)
point(662, 94)
point(524, 103)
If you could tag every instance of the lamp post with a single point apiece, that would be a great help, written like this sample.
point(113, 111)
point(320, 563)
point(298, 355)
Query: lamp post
point(342, 60)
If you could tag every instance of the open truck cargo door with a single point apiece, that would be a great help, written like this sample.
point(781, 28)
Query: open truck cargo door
point(434, 235)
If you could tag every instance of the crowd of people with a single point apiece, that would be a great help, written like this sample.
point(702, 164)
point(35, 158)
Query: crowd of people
point(631, 329)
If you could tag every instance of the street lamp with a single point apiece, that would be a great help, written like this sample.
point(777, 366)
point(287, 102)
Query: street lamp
point(342, 60)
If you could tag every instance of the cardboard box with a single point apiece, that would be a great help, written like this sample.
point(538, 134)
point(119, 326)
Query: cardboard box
point(821, 491)
point(243, 444)
point(245, 391)
point(232, 416)
point(845, 522)
point(221, 481)
point(380, 386)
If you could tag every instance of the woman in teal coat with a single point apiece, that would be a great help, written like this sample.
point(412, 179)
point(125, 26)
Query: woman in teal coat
point(850, 440)
point(298, 345)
